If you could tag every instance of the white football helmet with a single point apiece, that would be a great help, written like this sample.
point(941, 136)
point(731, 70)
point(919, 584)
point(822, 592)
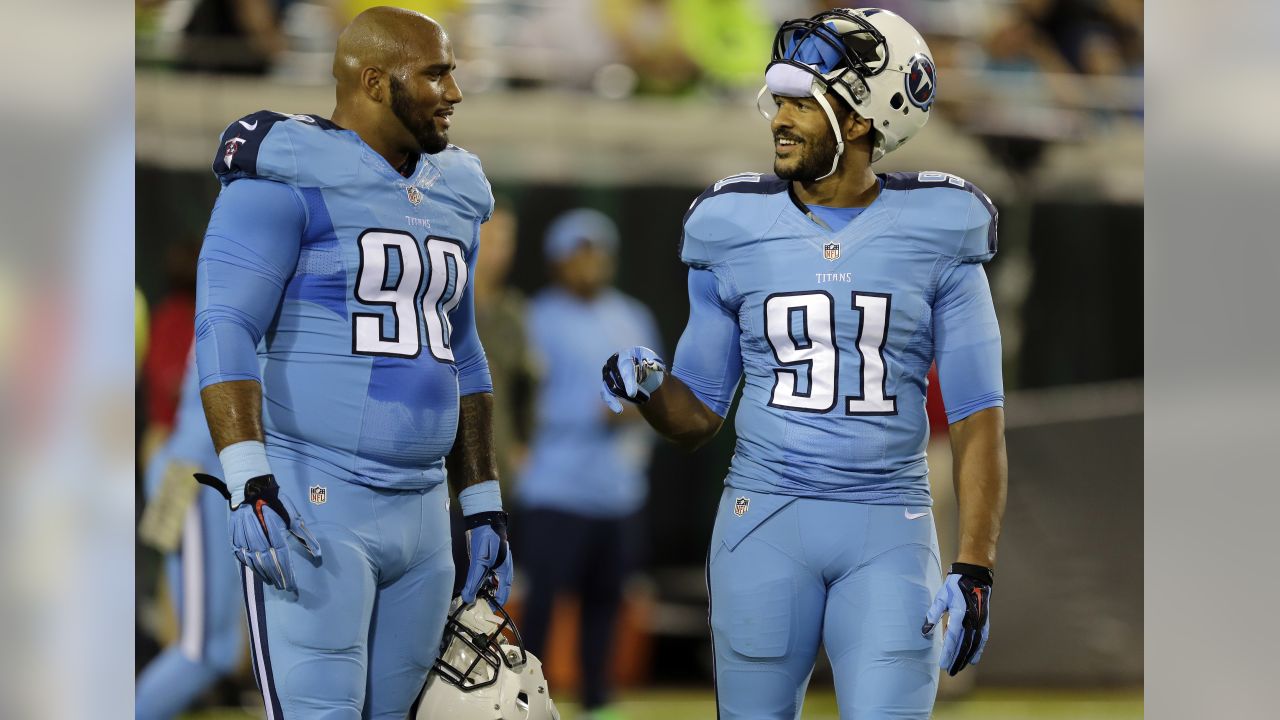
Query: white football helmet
point(873, 59)
point(483, 671)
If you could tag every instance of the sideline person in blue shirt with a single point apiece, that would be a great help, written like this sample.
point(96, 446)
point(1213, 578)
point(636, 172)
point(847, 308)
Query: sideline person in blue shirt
point(584, 483)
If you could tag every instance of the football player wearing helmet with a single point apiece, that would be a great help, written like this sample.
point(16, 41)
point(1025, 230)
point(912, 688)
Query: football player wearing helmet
point(483, 671)
point(832, 289)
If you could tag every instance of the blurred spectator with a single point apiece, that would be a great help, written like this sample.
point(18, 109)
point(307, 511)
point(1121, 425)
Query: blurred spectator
point(648, 37)
point(233, 36)
point(1088, 33)
point(727, 38)
point(172, 329)
point(1021, 43)
point(188, 525)
point(500, 314)
point(584, 484)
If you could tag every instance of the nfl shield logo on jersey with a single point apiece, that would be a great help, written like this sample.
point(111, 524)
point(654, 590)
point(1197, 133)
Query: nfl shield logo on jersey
point(415, 195)
point(831, 251)
point(740, 506)
point(318, 495)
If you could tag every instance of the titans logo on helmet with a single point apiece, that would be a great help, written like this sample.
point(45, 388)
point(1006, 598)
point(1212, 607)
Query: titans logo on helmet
point(922, 82)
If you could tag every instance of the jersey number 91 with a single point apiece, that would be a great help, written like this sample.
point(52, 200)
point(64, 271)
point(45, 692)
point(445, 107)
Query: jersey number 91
point(812, 350)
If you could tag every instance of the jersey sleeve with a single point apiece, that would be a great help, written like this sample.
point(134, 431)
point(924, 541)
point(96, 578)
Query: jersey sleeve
point(727, 217)
point(483, 194)
point(250, 251)
point(468, 353)
point(259, 145)
point(967, 343)
point(465, 175)
point(979, 242)
point(708, 358)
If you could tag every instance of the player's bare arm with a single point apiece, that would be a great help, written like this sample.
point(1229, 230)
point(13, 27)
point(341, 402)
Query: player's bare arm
point(473, 471)
point(234, 412)
point(679, 416)
point(981, 481)
point(473, 459)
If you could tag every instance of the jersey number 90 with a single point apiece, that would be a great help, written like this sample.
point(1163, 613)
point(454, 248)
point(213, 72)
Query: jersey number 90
point(433, 288)
point(813, 351)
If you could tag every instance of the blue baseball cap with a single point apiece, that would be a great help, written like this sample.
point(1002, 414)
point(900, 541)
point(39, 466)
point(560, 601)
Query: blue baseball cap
point(573, 228)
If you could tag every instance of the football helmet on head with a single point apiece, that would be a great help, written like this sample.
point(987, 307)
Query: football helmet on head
point(483, 671)
point(871, 58)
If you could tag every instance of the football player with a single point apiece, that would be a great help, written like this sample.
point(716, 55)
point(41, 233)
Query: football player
point(341, 368)
point(204, 582)
point(832, 289)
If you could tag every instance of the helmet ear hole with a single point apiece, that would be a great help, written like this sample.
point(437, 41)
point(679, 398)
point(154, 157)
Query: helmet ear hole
point(896, 101)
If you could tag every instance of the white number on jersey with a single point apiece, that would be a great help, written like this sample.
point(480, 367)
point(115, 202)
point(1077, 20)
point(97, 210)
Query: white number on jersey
point(813, 351)
point(446, 278)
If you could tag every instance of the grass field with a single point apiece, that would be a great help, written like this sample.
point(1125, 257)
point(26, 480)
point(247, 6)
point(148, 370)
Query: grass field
point(821, 705)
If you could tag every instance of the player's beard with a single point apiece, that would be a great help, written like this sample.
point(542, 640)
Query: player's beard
point(815, 159)
point(422, 126)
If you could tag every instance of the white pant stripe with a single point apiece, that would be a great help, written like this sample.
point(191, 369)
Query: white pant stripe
point(255, 628)
point(192, 640)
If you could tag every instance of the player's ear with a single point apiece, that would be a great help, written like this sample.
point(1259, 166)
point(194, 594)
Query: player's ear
point(373, 82)
point(855, 126)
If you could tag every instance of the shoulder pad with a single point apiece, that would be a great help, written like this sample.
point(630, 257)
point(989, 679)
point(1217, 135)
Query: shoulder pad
point(258, 145)
point(464, 174)
point(966, 210)
point(719, 214)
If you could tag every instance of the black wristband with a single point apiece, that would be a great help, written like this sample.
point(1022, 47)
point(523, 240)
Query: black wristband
point(496, 519)
point(979, 573)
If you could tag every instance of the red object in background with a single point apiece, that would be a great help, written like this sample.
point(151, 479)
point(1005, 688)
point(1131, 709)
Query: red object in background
point(938, 426)
point(172, 332)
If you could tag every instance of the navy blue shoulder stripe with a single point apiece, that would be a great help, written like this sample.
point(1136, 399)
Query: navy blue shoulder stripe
point(237, 155)
point(749, 183)
point(931, 179)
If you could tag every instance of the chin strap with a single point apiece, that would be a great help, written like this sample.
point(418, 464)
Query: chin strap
point(816, 92)
point(835, 128)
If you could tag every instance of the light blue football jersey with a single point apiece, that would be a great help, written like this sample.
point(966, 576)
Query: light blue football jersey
point(578, 461)
point(351, 284)
point(835, 330)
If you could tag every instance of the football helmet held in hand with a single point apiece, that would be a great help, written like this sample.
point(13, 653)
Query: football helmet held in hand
point(483, 671)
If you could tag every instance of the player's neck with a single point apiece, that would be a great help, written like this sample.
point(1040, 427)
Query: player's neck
point(846, 188)
point(398, 157)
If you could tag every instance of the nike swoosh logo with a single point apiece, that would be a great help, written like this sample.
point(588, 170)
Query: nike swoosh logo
point(912, 516)
point(249, 127)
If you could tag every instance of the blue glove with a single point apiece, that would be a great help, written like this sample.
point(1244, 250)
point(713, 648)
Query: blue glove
point(966, 593)
point(490, 555)
point(632, 374)
point(486, 540)
point(260, 527)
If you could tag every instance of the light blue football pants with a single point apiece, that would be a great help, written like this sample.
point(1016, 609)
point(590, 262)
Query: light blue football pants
point(363, 629)
point(787, 573)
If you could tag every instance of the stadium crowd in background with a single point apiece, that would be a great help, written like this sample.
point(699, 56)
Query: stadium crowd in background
point(657, 47)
